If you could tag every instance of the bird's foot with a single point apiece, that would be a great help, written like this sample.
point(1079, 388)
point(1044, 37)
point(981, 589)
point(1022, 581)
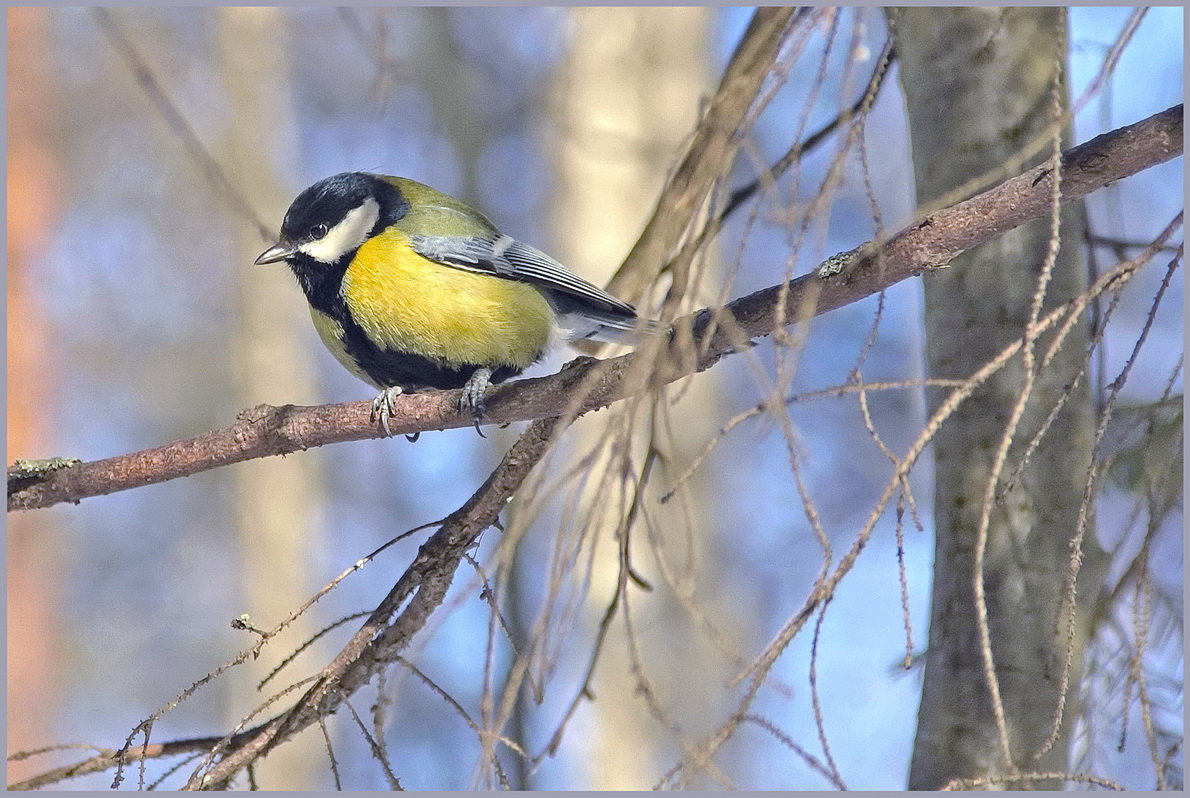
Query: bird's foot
point(472, 396)
point(382, 406)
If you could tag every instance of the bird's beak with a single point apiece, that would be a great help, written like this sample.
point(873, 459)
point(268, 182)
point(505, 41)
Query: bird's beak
point(277, 252)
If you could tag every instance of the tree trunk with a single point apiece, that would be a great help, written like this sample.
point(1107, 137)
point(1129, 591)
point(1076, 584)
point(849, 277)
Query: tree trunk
point(978, 87)
point(623, 98)
point(279, 506)
point(35, 622)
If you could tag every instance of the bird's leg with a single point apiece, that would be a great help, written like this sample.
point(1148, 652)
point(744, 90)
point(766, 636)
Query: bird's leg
point(472, 397)
point(382, 406)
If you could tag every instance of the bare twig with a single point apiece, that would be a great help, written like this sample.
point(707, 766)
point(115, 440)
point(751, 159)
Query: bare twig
point(177, 121)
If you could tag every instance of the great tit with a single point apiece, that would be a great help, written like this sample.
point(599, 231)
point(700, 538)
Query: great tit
point(411, 289)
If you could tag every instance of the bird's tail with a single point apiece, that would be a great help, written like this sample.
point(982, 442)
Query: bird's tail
point(612, 327)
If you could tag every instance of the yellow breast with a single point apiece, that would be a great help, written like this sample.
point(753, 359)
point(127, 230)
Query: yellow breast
point(406, 303)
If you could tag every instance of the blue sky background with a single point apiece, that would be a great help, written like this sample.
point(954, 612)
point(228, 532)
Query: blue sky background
point(138, 324)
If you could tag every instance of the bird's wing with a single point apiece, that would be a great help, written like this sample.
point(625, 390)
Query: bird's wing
point(504, 256)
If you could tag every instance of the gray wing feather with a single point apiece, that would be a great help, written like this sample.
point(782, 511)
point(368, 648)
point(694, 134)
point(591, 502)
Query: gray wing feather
point(506, 257)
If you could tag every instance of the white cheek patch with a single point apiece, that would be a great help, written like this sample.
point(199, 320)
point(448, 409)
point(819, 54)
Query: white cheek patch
point(346, 235)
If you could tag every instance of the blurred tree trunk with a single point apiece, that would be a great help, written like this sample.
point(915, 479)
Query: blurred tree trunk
point(978, 84)
point(628, 91)
point(279, 502)
point(33, 611)
point(444, 72)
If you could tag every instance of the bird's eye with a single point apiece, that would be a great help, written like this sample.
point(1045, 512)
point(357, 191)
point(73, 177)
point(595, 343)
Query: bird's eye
point(318, 231)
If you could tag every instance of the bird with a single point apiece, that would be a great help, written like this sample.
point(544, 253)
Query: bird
point(412, 290)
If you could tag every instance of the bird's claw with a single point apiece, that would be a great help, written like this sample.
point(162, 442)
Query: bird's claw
point(472, 396)
point(471, 399)
point(382, 406)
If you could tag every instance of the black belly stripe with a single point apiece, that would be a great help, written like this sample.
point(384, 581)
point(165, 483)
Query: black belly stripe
point(408, 370)
point(322, 282)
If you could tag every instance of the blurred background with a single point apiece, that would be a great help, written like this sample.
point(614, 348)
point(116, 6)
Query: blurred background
point(152, 154)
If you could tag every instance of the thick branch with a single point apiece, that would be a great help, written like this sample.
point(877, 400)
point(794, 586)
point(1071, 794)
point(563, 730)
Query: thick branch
point(932, 241)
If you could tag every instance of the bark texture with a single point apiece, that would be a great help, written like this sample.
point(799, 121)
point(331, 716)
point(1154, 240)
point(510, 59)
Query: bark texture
point(978, 86)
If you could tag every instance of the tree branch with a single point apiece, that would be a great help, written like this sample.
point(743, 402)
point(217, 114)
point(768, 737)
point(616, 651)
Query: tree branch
point(699, 341)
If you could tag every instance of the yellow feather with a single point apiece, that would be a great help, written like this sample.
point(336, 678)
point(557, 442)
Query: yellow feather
point(331, 333)
point(409, 304)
